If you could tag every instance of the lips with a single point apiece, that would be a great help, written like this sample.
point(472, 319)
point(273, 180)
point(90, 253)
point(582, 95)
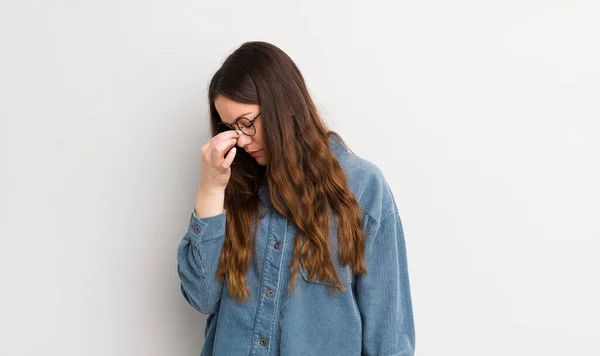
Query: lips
point(253, 153)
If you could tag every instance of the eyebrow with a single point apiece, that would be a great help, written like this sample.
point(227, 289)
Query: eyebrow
point(244, 114)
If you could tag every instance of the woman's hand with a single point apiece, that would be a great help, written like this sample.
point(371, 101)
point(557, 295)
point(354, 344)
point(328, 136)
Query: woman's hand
point(216, 167)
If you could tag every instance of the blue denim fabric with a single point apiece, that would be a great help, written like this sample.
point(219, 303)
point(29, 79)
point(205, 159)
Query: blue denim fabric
point(373, 317)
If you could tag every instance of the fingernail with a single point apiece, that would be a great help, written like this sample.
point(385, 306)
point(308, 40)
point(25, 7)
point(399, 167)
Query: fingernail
point(238, 132)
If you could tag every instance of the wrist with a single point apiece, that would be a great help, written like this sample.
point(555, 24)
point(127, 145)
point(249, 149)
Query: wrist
point(211, 191)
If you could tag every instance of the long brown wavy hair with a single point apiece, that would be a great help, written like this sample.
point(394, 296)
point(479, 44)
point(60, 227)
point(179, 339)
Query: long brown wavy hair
point(304, 178)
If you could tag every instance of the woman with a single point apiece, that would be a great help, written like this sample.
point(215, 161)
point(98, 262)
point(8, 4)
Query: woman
point(295, 246)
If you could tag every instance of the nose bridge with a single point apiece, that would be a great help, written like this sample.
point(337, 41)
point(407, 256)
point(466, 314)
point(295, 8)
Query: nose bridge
point(244, 140)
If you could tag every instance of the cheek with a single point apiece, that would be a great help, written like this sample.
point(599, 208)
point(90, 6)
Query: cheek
point(259, 135)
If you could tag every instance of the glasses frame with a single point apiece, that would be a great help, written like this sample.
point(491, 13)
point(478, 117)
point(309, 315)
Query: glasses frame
point(238, 126)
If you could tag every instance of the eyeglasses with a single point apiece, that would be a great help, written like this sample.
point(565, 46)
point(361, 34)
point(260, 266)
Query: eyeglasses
point(245, 125)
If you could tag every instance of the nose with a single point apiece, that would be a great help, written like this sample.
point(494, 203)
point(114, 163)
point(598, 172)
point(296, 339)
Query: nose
point(244, 140)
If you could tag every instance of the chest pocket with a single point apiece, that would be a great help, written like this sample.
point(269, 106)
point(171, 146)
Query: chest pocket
point(344, 272)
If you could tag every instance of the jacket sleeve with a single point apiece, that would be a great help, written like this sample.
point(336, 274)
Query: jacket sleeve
point(197, 259)
point(383, 294)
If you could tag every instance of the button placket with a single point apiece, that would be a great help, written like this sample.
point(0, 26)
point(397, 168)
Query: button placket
point(267, 309)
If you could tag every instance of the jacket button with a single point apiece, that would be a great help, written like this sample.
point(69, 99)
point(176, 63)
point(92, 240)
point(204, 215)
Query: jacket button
point(263, 342)
point(270, 294)
point(277, 245)
point(196, 228)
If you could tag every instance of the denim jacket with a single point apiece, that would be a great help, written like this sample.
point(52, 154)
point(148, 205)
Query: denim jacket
point(373, 317)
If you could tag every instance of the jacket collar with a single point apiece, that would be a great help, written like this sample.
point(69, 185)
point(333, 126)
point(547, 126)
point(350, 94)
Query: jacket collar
point(337, 147)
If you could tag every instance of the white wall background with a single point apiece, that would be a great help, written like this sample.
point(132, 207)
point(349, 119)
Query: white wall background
point(483, 115)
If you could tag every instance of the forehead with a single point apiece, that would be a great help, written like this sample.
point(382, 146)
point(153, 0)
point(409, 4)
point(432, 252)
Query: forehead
point(230, 110)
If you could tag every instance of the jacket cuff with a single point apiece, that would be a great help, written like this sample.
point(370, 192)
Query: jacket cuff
point(207, 228)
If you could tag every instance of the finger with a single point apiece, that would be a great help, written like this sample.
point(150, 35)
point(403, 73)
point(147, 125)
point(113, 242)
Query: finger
point(221, 148)
point(227, 134)
point(229, 158)
point(223, 136)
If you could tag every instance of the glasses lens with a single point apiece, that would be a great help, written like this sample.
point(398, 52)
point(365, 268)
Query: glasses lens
point(246, 126)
